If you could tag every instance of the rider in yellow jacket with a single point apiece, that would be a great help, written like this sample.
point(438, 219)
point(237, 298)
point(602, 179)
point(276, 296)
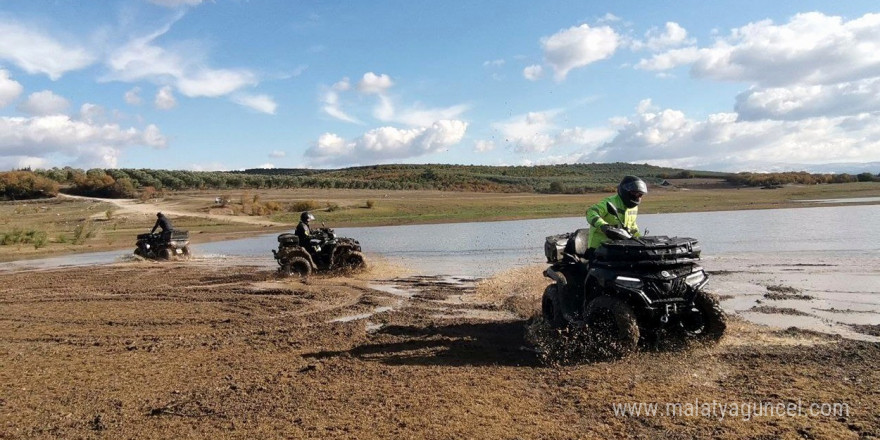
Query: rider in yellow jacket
point(629, 194)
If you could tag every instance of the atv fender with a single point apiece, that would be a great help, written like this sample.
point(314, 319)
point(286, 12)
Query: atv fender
point(339, 250)
point(603, 279)
point(293, 253)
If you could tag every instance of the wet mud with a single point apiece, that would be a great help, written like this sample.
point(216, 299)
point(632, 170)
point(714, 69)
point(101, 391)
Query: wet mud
point(201, 350)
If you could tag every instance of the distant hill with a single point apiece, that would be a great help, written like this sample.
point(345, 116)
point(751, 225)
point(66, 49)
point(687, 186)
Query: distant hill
point(556, 179)
point(573, 178)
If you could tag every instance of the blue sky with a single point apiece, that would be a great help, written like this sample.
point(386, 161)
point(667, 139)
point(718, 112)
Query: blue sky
point(233, 84)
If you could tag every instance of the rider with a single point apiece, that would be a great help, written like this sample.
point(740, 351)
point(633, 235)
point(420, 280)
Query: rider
point(164, 223)
point(629, 194)
point(304, 232)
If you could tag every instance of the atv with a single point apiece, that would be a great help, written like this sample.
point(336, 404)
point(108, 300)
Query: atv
point(629, 290)
point(329, 252)
point(163, 246)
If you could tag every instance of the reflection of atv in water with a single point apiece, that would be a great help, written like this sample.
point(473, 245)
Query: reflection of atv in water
point(163, 246)
point(330, 252)
point(632, 289)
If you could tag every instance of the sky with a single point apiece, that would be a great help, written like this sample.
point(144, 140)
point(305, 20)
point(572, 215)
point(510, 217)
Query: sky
point(235, 84)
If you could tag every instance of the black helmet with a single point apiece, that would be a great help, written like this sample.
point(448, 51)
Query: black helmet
point(306, 217)
point(631, 190)
point(159, 214)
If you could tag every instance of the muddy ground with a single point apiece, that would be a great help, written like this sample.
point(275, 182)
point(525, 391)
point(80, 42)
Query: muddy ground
point(197, 350)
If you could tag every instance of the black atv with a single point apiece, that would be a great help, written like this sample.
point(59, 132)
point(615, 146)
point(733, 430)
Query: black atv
point(329, 252)
point(631, 289)
point(163, 246)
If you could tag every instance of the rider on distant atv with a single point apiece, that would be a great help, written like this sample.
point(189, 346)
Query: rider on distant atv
point(304, 232)
point(629, 194)
point(164, 223)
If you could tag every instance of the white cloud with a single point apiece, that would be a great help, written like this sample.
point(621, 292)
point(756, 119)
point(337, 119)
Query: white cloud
point(92, 113)
point(608, 18)
point(801, 102)
point(386, 143)
point(176, 3)
point(20, 162)
point(185, 67)
point(493, 63)
point(814, 92)
point(332, 104)
point(723, 142)
point(214, 82)
point(165, 99)
point(260, 103)
point(267, 166)
point(670, 59)
point(277, 154)
point(533, 72)
point(43, 103)
point(415, 116)
point(673, 35)
point(133, 96)
point(811, 49)
point(213, 166)
point(84, 143)
point(482, 146)
point(577, 47)
point(10, 89)
point(153, 137)
point(36, 52)
point(374, 84)
point(536, 132)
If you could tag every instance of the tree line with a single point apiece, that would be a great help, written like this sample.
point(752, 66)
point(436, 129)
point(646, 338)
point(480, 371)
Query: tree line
point(551, 179)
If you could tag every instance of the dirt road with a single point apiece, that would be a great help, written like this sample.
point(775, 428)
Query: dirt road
point(132, 206)
point(197, 350)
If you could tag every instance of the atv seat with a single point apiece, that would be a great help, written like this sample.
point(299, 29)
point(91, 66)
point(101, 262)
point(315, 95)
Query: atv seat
point(577, 243)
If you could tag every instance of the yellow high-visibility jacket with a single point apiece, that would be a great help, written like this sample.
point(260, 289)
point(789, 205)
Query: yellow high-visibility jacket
point(598, 215)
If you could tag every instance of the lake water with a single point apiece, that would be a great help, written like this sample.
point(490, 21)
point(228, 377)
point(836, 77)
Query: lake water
point(482, 249)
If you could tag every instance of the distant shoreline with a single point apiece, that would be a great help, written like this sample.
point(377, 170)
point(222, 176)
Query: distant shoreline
point(114, 224)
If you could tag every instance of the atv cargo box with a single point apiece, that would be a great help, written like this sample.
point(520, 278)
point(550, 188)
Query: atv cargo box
point(179, 234)
point(288, 239)
point(649, 250)
point(554, 246)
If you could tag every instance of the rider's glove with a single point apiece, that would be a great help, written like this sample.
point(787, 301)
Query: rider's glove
point(604, 228)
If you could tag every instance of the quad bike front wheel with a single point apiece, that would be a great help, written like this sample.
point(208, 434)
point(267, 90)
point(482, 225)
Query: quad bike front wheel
point(550, 307)
point(613, 325)
point(707, 322)
point(352, 261)
point(296, 266)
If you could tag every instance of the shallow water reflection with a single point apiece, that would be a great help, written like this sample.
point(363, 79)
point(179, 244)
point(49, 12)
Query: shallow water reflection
point(483, 249)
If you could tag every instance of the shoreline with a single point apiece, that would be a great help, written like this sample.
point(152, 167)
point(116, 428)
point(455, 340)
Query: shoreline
point(247, 227)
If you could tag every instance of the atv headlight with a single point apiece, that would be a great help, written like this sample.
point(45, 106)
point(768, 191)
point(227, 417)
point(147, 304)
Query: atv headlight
point(696, 278)
point(630, 283)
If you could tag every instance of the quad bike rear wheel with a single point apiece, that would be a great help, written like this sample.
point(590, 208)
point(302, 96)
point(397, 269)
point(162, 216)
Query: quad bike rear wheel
point(296, 266)
point(613, 325)
point(550, 307)
point(185, 252)
point(707, 322)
